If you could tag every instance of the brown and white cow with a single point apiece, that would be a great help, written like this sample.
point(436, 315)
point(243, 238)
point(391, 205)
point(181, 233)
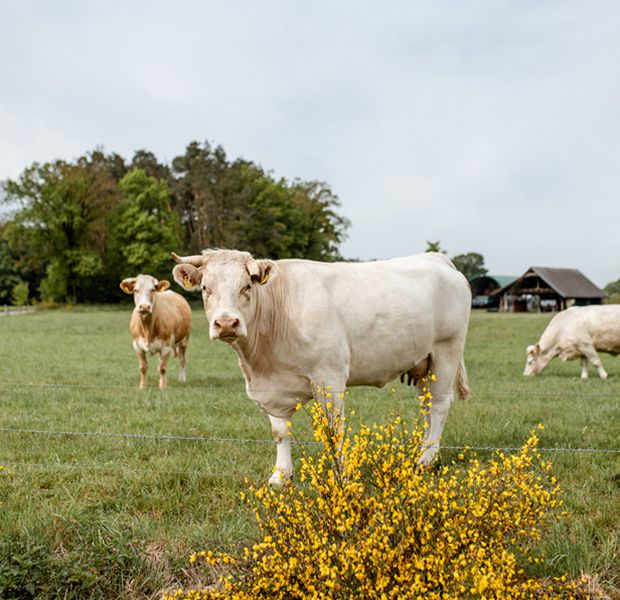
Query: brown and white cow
point(160, 323)
point(298, 323)
point(577, 332)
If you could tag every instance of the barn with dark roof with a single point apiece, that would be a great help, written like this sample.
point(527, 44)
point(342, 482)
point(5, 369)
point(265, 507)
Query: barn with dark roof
point(546, 289)
point(482, 288)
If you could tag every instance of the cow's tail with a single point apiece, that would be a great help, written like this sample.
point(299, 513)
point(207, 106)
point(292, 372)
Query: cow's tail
point(462, 385)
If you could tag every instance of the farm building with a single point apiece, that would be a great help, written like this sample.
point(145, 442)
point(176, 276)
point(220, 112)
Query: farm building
point(542, 289)
point(483, 286)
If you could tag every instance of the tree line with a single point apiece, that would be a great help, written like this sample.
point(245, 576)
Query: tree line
point(76, 228)
point(72, 230)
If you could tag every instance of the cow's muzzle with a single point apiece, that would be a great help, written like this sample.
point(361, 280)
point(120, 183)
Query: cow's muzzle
point(226, 328)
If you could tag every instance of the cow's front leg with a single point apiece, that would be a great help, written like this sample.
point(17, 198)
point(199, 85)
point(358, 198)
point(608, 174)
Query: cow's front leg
point(182, 361)
point(143, 367)
point(333, 405)
point(281, 430)
point(162, 365)
point(584, 367)
point(592, 355)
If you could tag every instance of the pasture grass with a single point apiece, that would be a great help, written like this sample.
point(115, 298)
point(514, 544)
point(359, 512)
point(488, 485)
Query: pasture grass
point(103, 516)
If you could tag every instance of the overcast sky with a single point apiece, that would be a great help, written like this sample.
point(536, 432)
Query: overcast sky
point(491, 126)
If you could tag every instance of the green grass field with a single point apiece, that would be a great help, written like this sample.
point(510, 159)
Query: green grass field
point(112, 516)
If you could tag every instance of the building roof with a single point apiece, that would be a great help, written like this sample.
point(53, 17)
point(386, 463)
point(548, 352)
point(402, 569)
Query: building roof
point(568, 283)
point(501, 280)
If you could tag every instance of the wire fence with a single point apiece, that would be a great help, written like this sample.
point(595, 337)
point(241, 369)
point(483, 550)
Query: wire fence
point(236, 440)
point(240, 391)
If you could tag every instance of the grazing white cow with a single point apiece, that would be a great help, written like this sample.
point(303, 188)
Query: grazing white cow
point(298, 323)
point(160, 323)
point(578, 332)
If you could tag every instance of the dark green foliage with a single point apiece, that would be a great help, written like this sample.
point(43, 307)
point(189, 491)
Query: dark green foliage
point(612, 292)
point(143, 227)
point(81, 226)
point(434, 247)
point(94, 561)
point(290, 221)
point(8, 278)
point(470, 264)
point(61, 227)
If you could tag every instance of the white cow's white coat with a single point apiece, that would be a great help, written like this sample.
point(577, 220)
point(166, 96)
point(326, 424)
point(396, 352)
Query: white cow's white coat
point(297, 323)
point(577, 332)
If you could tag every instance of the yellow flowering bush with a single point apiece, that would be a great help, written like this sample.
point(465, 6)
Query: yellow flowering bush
point(367, 520)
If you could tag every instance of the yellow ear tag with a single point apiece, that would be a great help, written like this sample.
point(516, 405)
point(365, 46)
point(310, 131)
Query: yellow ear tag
point(186, 282)
point(263, 281)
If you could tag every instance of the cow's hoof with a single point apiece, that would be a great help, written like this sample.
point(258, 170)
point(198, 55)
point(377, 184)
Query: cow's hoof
point(428, 457)
point(278, 479)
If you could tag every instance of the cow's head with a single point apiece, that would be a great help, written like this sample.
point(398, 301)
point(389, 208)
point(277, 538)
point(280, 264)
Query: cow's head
point(229, 281)
point(143, 288)
point(534, 363)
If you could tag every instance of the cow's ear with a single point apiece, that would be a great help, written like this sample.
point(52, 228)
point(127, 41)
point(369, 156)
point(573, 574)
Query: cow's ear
point(128, 285)
point(533, 350)
point(162, 285)
point(260, 270)
point(187, 276)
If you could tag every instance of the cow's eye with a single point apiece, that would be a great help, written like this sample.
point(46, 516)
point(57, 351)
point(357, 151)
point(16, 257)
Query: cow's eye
point(246, 289)
point(206, 290)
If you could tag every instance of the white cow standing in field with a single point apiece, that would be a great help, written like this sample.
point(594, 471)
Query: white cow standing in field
point(578, 332)
point(160, 323)
point(298, 323)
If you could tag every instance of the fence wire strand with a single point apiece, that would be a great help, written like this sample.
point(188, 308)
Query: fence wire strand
point(241, 391)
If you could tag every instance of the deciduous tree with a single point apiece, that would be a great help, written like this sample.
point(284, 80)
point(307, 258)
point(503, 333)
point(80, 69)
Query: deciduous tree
point(61, 225)
point(470, 264)
point(143, 227)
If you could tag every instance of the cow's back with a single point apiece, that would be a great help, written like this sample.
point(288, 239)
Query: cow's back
point(603, 325)
point(379, 317)
point(424, 287)
point(598, 324)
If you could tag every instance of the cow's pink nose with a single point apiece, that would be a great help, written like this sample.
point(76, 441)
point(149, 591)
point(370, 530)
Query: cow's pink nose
point(226, 326)
point(144, 307)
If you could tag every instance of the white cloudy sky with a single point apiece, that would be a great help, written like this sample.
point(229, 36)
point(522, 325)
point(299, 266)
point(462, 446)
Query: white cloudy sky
point(492, 126)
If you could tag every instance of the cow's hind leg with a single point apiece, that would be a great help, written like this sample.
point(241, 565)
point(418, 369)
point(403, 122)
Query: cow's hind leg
point(584, 367)
point(281, 430)
point(445, 361)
